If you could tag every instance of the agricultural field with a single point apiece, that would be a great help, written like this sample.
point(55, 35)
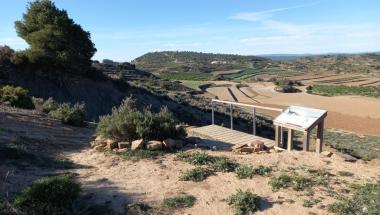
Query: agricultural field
point(333, 90)
point(190, 76)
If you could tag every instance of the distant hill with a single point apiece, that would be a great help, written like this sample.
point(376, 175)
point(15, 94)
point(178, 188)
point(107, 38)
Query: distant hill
point(285, 57)
point(185, 61)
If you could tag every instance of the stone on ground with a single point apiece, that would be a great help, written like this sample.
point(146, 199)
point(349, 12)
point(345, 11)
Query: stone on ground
point(138, 144)
point(123, 145)
point(154, 145)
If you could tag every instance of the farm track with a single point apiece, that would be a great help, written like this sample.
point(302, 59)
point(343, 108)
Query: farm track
point(232, 94)
point(317, 77)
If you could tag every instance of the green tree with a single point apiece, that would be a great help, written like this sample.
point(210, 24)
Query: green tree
point(54, 38)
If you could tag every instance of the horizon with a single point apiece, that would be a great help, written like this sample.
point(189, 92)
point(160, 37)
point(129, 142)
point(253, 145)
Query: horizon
point(122, 31)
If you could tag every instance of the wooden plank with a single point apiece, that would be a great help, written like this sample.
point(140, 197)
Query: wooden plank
point(319, 142)
point(247, 105)
point(277, 135)
point(290, 139)
point(306, 141)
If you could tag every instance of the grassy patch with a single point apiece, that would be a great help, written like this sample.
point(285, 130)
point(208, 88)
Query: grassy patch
point(345, 173)
point(364, 147)
point(297, 182)
point(139, 154)
point(325, 90)
point(365, 200)
point(247, 171)
point(196, 158)
point(197, 174)
point(191, 76)
point(50, 195)
point(194, 84)
point(223, 164)
point(181, 201)
point(310, 202)
point(243, 202)
point(137, 209)
point(218, 164)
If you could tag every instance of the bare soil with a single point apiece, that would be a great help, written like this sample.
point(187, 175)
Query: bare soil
point(111, 181)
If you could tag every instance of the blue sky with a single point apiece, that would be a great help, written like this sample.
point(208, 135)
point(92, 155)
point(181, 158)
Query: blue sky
point(125, 29)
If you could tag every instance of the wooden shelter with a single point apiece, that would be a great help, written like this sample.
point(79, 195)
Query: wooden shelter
point(301, 119)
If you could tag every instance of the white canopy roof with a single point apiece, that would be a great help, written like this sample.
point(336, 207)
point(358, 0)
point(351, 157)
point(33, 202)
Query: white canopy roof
point(301, 117)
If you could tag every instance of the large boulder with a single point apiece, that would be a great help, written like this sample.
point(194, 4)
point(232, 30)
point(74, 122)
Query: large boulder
point(138, 144)
point(154, 145)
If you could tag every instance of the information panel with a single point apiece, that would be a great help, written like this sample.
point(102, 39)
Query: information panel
point(299, 116)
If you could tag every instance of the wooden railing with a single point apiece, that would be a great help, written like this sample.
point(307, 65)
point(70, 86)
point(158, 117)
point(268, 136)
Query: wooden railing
point(254, 107)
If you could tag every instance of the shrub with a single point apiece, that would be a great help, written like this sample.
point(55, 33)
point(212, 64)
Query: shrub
point(223, 164)
point(345, 173)
point(197, 174)
point(137, 208)
point(196, 158)
point(365, 200)
point(243, 202)
point(247, 171)
point(71, 115)
point(282, 181)
point(181, 201)
point(49, 105)
point(5, 54)
point(50, 195)
point(126, 123)
point(16, 96)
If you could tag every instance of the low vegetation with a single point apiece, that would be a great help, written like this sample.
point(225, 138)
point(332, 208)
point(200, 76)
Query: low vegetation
point(248, 171)
point(181, 201)
point(355, 145)
point(243, 202)
point(286, 86)
point(190, 76)
point(297, 182)
point(197, 174)
point(217, 164)
point(16, 96)
point(338, 90)
point(74, 115)
point(365, 200)
point(126, 123)
point(50, 195)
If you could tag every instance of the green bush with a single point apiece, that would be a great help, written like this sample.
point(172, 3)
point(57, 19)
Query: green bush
point(243, 202)
point(364, 201)
point(71, 115)
point(126, 123)
point(197, 174)
point(49, 105)
point(50, 195)
point(282, 181)
point(196, 158)
point(181, 201)
point(16, 96)
point(223, 164)
point(297, 182)
point(6, 54)
point(247, 171)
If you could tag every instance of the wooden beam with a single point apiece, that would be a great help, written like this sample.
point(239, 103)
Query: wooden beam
point(306, 140)
point(277, 135)
point(248, 105)
point(319, 142)
point(290, 139)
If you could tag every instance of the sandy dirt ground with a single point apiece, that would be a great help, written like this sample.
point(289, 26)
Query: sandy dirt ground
point(350, 113)
point(113, 182)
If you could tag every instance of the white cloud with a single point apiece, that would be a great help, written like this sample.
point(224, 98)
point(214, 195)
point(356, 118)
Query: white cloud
point(266, 14)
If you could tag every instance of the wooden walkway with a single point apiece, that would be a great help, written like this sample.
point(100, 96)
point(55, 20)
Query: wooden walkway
point(228, 136)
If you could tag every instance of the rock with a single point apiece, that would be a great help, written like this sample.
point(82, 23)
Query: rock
point(123, 150)
point(98, 147)
point(169, 143)
point(179, 144)
point(239, 146)
point(154, 145)
point(123, 145)
point(258, 145)
point(100, 140)
point(247, 149)
point(111, 144)
point(327, 153)
point(115, 149)
point(138, 144)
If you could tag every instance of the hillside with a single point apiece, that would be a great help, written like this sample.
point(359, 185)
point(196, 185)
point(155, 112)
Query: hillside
point(186, 61)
